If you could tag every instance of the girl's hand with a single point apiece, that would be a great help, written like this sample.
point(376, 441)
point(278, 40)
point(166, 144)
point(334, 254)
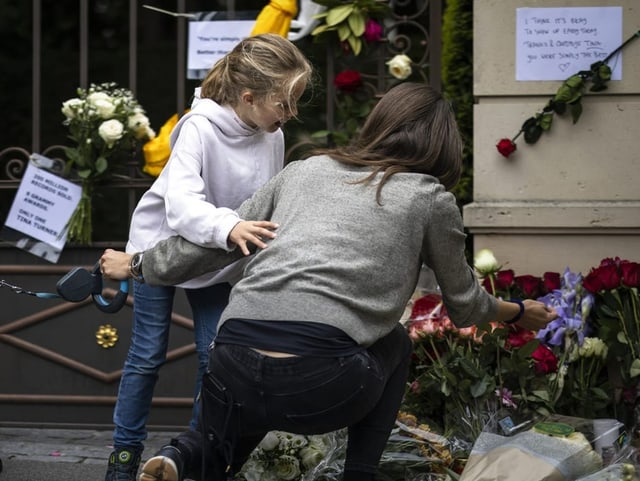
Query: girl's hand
point(115, 264)
point(252, 231)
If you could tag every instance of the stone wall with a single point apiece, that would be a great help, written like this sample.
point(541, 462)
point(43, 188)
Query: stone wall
point(573, 197)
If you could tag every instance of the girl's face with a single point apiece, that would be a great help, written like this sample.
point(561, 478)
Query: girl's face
point(270, 113)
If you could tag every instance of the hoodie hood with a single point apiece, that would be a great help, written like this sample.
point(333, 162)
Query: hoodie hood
point(223, 118)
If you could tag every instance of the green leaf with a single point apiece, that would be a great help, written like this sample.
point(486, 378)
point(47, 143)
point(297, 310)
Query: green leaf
point(545, 121)
point(320, 29)
point(343, 32)
point(481, 387)
point(84, 174)
point(356, 44)
point(532, 134)
point(320, 134)
point(357, 22)
point(101, 165)
point(339, 14)
point(576, 111)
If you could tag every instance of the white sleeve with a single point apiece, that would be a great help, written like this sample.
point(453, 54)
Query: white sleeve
point(188, 212)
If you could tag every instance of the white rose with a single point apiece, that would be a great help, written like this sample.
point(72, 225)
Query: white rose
point(104, 108)
point(485, 262)
point(71, 107)
point(94, 97)
point(111, 131)
point(138, 123)
point(400, 66)
point(287, 467)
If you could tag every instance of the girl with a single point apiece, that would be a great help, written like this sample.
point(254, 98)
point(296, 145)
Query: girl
point(311, 342)
point(226, 147)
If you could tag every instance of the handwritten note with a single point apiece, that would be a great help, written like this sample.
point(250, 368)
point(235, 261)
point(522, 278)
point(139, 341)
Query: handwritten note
point(554, 43)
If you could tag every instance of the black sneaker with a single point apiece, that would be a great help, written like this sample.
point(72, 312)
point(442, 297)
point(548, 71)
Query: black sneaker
point(166, 465)
point(123, 465)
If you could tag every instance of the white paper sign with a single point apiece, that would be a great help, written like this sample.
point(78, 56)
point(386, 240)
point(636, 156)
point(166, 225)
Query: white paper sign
point(555, 43)
point(43, 206)
point(209, 41)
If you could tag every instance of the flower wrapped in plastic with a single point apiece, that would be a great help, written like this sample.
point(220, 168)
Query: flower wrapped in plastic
point(416, 451)
point(556, 448)
point(283, 456)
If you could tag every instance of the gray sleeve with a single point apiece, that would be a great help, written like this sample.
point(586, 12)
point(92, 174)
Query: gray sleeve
point(444, 251)
point(176, 260)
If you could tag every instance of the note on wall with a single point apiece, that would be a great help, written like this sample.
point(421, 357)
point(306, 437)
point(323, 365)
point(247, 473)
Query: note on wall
point(554, 43)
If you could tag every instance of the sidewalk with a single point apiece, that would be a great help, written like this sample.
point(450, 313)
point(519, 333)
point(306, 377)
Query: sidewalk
point(29, 454)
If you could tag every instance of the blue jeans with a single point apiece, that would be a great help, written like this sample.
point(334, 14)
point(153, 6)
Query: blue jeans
point(246, 394)
point(152, 308)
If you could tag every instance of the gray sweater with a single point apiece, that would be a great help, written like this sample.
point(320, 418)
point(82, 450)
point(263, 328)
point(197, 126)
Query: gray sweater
point(339, 257)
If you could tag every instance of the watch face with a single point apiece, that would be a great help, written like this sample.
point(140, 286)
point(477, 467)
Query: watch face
point(136, 262)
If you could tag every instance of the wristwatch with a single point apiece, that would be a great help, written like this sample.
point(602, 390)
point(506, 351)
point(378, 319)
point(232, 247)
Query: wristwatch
point(135, 267)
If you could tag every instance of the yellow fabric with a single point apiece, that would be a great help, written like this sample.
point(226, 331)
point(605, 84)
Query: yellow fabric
point(157, 150)
point(276, 17)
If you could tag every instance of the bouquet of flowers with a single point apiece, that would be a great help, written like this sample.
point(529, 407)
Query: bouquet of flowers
point(107, 124)
point(461, 376)
point(616, 316)
point(579, 385)
point(282, 456)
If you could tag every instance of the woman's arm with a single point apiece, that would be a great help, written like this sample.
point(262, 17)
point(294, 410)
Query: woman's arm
point(176, 260)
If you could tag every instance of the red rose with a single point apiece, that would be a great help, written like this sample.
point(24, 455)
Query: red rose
point(609, 275)
point(504, 279)
point(506, 147)
point(518, 337)
point(372, 31)
point(551, 281)
point(630, 273)
point(529, 285)
point(592, 282)
point(348, 81)
point(545, 360)
point(429, 306)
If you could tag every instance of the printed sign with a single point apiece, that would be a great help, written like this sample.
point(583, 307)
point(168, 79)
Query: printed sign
point(209, 41)
point(554, 43)
point(41, 209)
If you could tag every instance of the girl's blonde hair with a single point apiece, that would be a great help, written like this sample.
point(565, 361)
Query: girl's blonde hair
point(265, 64)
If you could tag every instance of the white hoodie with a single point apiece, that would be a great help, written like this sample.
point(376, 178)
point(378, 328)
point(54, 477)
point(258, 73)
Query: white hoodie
point(217, 161)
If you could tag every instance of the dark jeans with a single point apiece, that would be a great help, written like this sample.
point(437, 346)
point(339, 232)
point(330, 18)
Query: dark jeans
point(246, 394)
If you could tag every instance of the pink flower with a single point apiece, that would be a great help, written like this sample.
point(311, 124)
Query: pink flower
point(372, 31)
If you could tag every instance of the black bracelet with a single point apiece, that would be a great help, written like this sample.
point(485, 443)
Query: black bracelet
point(520, 313)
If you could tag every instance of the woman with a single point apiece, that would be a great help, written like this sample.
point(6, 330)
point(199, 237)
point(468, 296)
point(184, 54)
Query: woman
point(310, 341)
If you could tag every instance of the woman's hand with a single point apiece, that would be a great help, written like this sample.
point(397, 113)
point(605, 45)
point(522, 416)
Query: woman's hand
point(536, 315)
point(252, 231)
point(115, 264)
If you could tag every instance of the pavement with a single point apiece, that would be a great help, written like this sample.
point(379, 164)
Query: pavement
point(52, 454)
